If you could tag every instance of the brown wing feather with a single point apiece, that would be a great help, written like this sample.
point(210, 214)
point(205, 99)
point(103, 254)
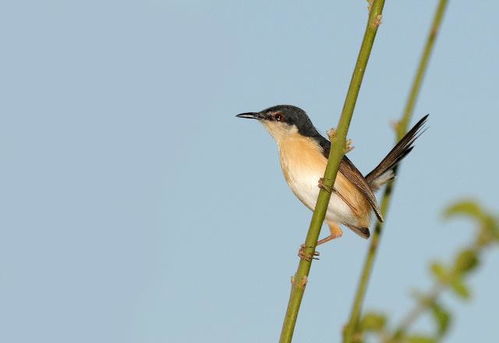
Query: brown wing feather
point(348, 169)
point(353, 175)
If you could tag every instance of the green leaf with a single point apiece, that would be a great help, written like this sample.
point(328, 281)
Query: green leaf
point(438, 270)
point(421, 339)
point(373, 322)
point(466, 261)
point(488, 223)
point(442, 318)
point(460, 289)
point(468, 208)
point(489, 230)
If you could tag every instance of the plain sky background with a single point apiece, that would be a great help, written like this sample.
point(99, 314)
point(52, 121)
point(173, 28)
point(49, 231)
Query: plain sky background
point(134, 207)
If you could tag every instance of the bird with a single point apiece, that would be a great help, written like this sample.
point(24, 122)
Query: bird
point(303, 155)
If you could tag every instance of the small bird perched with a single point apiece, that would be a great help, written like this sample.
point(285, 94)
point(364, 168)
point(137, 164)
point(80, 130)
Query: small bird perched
point(303, 155)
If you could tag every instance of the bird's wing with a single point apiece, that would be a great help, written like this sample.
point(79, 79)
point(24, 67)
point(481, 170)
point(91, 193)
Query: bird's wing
point(354, 176)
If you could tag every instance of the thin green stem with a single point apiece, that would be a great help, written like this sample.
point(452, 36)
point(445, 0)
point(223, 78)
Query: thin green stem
point(401, 129)
point(426, 300)
point(418, 310)
point(423, 66)
point(337, 152)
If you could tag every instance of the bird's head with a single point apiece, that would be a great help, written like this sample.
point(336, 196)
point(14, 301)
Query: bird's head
point(283, 121)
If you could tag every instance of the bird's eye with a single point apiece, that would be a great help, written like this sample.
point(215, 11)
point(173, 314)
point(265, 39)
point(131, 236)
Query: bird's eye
point(278, 116)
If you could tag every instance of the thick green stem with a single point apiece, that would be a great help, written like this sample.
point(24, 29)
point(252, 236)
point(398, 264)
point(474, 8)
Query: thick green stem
point(401, 129)
point(338, 143)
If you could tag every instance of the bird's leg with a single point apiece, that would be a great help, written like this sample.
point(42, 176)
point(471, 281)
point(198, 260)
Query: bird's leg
point(335, 232)
point(307, 257)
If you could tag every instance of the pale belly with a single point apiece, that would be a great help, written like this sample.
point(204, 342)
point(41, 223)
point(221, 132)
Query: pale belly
point(303, 181)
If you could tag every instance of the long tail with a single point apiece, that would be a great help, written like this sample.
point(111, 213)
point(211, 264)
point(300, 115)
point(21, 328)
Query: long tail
point(384, 172)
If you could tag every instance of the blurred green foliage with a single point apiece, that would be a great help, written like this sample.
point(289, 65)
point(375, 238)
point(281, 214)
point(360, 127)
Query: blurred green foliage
point(451, 276)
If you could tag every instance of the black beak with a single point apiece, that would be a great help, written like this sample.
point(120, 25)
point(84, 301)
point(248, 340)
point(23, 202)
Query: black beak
point(251, 115)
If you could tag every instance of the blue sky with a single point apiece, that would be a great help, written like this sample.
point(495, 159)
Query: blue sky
point(136, 208)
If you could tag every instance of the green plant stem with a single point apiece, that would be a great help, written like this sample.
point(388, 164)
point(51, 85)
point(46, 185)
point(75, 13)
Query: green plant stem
point(337, 152)
point(418, 310)
point(423, 66)
point(401, 129)
point(429, 298)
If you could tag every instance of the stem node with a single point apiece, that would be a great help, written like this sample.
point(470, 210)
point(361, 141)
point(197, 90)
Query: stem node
point(377, 21)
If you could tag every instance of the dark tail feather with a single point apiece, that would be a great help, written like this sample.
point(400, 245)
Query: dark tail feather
point(361, 231)
point(384, 171)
